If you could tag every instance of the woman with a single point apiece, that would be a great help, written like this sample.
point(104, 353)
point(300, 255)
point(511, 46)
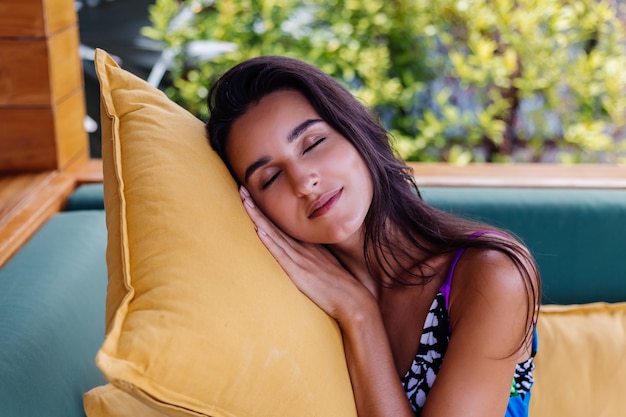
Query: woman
point(437, 313)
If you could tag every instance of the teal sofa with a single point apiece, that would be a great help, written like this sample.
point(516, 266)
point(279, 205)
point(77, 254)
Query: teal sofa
point(52, 292)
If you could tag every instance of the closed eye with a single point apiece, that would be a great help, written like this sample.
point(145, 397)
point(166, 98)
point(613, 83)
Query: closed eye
point(270, 181)
point(317, 142)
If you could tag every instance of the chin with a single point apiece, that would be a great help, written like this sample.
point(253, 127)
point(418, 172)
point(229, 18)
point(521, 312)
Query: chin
point(346, 236)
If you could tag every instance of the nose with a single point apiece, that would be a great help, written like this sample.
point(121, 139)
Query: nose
point(303, 180)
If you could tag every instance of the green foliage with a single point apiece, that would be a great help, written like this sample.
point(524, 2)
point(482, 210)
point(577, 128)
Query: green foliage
point(454, 80)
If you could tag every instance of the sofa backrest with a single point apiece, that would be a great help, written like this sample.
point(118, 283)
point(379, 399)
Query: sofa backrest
point(577, 236)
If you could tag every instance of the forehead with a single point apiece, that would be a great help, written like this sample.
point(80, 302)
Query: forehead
point(277, 109)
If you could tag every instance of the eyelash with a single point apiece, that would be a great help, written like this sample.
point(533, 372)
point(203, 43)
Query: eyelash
point(270, 181)
point(312, 146)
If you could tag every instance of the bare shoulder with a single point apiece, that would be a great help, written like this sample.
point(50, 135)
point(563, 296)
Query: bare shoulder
point(491, 291)
point(491, 273)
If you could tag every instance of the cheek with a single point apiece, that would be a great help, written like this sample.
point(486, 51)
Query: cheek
point(363, 175)
point(358, 166)
point(277, 210)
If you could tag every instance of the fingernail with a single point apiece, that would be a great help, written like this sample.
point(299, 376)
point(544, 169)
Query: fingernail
point(248, 202)
point(261, 232)
point(244, 191)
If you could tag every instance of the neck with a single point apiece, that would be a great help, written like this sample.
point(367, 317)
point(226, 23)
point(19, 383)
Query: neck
point(351, 255)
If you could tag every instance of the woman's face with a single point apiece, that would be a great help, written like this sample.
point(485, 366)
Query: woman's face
point(307, 178)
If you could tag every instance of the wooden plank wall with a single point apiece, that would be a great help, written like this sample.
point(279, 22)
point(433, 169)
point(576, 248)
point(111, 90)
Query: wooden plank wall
point(42, 105)
point(43, 144)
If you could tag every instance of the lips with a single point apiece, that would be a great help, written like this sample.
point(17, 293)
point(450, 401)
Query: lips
point(324, 203)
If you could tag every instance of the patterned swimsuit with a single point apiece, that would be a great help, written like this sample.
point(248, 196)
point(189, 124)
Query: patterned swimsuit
point(419, 379)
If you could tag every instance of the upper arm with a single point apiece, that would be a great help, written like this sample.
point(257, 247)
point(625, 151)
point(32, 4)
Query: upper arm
point(490, 311)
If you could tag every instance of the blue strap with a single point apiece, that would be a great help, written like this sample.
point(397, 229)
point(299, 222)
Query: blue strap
point(518, 406)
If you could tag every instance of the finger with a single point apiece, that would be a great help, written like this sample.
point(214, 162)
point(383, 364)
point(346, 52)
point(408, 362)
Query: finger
point(256, 215)
point(261, 221)
point(243, 191)
point(282, 252)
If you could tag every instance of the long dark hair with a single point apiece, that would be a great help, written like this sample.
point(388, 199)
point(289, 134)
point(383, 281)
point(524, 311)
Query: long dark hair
point(396, 198)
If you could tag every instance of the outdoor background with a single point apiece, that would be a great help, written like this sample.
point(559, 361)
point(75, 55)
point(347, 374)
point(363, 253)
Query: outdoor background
point(458, 81)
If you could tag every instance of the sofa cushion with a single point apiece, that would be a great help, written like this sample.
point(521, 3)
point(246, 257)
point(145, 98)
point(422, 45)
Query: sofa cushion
point(110, 401)
point(52, 295)
point(581, 362)
point(201, 320)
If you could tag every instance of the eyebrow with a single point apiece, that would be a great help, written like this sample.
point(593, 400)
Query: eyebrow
point(293, 135)
point(301, 128)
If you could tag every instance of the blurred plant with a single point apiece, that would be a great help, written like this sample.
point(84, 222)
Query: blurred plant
point(453, 80)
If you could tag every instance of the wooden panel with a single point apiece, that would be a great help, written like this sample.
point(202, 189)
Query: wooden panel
point(520, 175)
point(88, 172)
point(26, 202)
point(15, 189)
point(42, 113)
point(65, 64)
point(59, 14)
point(39, 72)
point(72, 143)
point(43, 138)
point(27, 139)
point(24, 73)
point(34, 18)
point(21, 19)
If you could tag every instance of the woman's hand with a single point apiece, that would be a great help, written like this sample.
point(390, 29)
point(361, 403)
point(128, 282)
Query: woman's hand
point(312, 268)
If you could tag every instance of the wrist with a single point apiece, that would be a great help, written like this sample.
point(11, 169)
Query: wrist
point(359, 315)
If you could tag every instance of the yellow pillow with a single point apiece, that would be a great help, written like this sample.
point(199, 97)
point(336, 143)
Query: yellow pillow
point(201, 320)
point(581, 361)
point(109, 401)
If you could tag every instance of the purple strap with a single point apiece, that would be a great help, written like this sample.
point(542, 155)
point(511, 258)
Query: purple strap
point(447, 284)
point(445, 287)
